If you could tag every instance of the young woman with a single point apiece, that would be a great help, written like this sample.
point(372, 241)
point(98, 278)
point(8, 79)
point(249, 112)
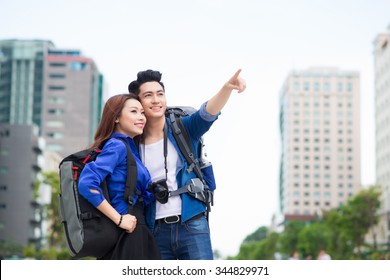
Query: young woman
point(123, 117)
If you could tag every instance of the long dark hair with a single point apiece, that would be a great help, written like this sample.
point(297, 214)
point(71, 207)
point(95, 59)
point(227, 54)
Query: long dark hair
point(112, 110)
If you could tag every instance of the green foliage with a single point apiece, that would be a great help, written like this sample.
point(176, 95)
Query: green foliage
point(339, 246)
point(360, 214)
point(340, 232)
point(259, 250)
point(289, 237)
point(10, 250)
point(260, 234)
point(313, 238)
point(56, 231)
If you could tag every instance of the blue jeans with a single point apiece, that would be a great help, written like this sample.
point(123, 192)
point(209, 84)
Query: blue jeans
point(184, 241)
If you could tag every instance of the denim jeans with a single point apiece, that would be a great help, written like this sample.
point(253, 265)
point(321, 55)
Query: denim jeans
point(184, 241)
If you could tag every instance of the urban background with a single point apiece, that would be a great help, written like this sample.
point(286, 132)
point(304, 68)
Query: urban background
point(51, 99)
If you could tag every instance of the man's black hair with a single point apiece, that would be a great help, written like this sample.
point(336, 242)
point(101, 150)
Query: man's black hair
point(144, 77)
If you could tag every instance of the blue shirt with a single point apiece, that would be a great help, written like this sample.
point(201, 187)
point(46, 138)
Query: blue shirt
point(112, 163)
point(196, 125)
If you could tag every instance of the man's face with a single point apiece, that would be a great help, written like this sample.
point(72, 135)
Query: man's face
point(153, 99)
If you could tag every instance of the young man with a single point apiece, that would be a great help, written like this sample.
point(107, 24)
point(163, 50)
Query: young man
point(181, 229)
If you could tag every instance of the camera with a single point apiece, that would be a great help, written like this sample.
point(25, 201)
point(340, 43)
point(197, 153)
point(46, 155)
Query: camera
point(160, 190)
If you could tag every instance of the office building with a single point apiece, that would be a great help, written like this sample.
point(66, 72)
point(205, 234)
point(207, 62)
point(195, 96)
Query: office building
point(320, 141)
point(21, 162)
point(59, 90)
point(45, 93)
point(382, 132)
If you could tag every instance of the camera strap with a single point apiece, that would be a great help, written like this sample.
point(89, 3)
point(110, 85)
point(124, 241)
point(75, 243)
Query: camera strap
point(165, 150)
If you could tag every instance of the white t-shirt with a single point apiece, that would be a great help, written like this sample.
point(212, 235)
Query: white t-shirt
point(153, 157)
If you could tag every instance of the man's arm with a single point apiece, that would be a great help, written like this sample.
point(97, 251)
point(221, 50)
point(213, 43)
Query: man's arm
point(218, 101)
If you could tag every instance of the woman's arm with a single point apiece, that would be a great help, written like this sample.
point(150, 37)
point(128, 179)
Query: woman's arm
point(126, 222)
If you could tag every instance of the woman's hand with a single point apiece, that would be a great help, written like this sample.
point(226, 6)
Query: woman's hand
point(129, 222)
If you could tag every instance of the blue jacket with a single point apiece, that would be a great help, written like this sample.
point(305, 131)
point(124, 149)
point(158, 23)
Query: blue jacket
point(111, 163)
point(196, 125)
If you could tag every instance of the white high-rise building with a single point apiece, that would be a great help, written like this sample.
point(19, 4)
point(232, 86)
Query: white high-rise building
point(320, 137)
point(382, 131)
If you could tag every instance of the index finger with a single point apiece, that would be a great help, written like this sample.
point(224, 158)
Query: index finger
point(235, 76)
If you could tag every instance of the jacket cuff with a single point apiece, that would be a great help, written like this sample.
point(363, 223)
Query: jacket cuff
point(205, 115)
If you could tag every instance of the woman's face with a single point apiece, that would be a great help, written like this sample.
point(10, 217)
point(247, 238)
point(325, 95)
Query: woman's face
point(132, 120)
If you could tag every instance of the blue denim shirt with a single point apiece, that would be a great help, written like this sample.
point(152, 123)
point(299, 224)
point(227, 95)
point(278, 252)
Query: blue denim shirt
point(112, 163)
point(196, 125)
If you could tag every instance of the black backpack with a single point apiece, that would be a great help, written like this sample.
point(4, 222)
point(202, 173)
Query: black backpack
point(89, 233)
point(203, 188)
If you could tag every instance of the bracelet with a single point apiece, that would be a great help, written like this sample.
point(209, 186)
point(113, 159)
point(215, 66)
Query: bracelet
point(120, 221)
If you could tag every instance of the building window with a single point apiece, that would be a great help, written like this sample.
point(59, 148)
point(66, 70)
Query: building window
point(57, 76)
point(57, 64)
point(296, 87)
point(56, 87)
point(56, 112)
point(306, 86)
point(4, 151)
point(327, 194)
point(55, 124)
point(77, 66)
point(326, 87)
point(55, 100)
point(3, 170)
point(55, 135)
point(54, 147)
point(316, 86)
point(340, 87)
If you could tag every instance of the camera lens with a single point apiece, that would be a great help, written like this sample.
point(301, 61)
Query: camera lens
point(160, 191)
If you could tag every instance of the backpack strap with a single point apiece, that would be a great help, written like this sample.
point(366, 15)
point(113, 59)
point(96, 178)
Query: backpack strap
point(183, 141)
point(132, 175)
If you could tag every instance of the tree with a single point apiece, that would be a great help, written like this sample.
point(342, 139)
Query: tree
point(339, 247)
point(260, 234)
point(313, 238)
point(259, 250)
point(360, 215)
point(56, 231)
point(289, 237)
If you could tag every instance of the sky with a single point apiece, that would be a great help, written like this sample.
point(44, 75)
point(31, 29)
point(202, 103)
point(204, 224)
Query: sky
point(198, 46)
